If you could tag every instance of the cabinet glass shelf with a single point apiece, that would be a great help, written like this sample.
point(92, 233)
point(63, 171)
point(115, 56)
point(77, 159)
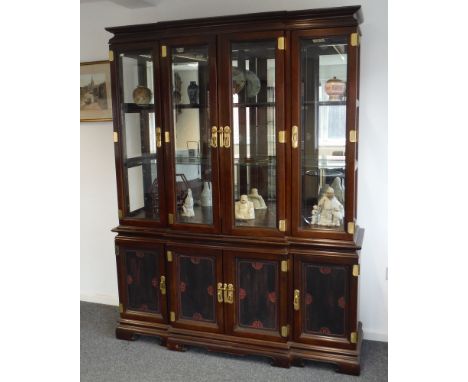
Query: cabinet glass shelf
point(135, 108)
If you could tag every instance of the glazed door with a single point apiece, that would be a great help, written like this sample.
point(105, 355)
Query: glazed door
point(195, 275)
point(190, 102)
point(142, 281)
point(324, 109)
point(258, 283)
point(138, 148)
point(251, 121)
point(324, 300)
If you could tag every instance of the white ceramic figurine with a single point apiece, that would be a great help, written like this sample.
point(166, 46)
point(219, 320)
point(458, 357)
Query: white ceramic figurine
point(187, 208)
point(206, 198)
point(257, 200)
point(330, 209)
point(244, 209)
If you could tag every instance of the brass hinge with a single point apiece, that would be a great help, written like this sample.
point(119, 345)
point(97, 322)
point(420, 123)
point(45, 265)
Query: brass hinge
point(111, 55)
point(282, 225)
point(284, 265)
point(353, 136)
point(172, 316)
point(281, 43)
point(167, 137)
point(169, 256)
point(356, 270)
point(284, 331)
point(121, 308)
point(170, 218)
point(116, 136)
point(353, 337)
point(158, 137)
point(282, 136)
point(294, 137)
point(163, 51)
point(354, 39)
point(117, 252)
point(120, 214)
point(351, 228)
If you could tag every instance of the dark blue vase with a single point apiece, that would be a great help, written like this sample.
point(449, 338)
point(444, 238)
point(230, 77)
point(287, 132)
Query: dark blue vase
point(192, 91)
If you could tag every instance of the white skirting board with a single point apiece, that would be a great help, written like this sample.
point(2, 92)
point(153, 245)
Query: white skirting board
point(371, 335)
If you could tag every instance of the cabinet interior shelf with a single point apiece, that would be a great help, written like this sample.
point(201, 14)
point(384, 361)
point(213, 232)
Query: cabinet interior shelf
point(134, 108)
point(140, 160)
point(253, 104)
point(324, 103)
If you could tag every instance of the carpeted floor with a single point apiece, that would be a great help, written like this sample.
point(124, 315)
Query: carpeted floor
point(106, 359)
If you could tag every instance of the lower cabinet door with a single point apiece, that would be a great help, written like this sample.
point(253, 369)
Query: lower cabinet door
point(142, 282)
point(324, 301)
point(257, 308)
point(195, 272)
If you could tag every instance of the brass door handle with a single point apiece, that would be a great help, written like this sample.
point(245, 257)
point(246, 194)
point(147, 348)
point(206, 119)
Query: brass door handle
point(220, 292)
point(229, 294)
point(221, 136)
point(214, 137)
point(162, 285)
point(158, 137)
point(295, 137)
point(296, 301)
point(227, 137)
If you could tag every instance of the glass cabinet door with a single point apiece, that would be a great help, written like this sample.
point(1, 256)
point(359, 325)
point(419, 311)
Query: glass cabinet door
point(253, 102)
point(190, 70)
point(321, 120)
point(140, 144)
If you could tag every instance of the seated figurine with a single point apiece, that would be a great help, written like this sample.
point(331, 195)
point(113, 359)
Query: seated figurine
point(244, 209)
point(257, 200)
point(315, 215)
point(331, 211)
point(187, 208)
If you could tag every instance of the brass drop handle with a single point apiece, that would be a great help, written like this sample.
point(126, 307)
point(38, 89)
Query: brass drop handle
point(229, 297)
point(227, 137)
point(294, 137)
point(296, 301)
point(221, 136)
point(162, 285)
point(158, 137)
point(214, 137)
point(220, 292)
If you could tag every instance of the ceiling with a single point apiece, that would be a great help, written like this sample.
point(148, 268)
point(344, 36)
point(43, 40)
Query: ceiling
point(131, 4)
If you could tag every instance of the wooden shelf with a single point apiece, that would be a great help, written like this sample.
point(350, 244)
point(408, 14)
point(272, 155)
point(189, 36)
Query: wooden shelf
point(134, 108)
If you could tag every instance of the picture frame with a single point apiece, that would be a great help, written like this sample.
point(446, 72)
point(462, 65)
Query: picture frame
point(95, 91)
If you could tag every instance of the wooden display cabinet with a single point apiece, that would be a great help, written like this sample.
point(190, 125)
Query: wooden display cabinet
point(261, 107)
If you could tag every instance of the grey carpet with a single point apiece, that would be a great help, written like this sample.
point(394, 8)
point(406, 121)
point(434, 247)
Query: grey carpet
point(106, 359)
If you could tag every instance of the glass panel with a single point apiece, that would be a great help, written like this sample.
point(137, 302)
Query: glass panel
point(197, 288)
point(324, 299)
point(142, 281)
point(139, 135)
point(254, 133)
point(191, 116)
point(257, 293)
point(323, 126)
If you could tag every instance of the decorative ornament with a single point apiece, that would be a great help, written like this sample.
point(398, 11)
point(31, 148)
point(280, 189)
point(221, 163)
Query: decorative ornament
point(257, 200)
point(244, 210)
point(142, 95)
point(335, 89)
point(192, 91)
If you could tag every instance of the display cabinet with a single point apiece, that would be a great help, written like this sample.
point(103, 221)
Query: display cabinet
point(236, 161)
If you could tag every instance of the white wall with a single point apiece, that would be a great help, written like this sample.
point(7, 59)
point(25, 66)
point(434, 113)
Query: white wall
point(98, 187)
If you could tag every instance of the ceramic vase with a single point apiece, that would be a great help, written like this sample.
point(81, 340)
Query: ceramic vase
point(206, 196)
point(335, 89)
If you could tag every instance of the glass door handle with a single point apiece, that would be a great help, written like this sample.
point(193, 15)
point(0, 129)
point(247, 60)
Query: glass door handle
point(214, 137)
point(294, 137)
point(227, 137)
point(296, 301)
point(158, 137)
point(221, 136)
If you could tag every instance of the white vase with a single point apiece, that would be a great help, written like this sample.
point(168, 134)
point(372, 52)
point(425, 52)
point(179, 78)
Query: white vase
point(206, 195)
